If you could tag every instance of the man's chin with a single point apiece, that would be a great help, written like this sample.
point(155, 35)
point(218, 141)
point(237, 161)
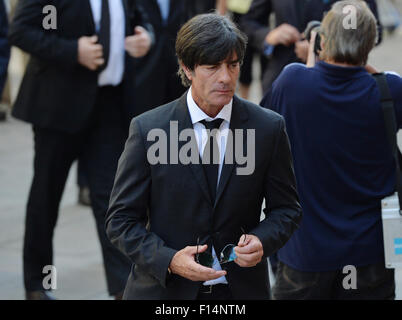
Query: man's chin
point(223, 98)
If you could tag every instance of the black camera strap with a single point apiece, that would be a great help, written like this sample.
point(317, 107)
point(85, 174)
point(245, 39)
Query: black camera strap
point(387, 105)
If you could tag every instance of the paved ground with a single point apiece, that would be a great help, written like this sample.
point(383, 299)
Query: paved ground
point(77, 252)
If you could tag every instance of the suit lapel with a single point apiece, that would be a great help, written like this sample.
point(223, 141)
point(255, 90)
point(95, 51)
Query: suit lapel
point(184, 122)
point(89, 17)
point(174, 9)
point(237, 121)
point(158, 10)
point(127, 16)
point(91, 21)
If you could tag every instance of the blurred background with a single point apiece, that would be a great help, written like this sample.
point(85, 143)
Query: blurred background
point(80, 273)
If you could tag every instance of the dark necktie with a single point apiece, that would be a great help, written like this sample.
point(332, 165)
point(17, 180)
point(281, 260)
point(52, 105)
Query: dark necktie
point(104, 32)
point(211, 153)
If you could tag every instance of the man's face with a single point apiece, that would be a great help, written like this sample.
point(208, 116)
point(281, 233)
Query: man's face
point(213, 86)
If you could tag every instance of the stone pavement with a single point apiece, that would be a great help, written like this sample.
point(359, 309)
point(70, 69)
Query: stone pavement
point(78, 260)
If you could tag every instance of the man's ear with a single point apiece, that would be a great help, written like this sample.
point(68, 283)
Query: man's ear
point(322, 44)
point(187, 71)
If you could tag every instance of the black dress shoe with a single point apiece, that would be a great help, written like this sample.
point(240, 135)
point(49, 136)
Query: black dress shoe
point(38, 295)
point(119, 296)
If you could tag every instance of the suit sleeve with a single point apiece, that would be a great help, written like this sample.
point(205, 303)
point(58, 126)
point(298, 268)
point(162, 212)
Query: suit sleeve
point(127, 216)
point(283, 212)
point(255, 23)
point(26, 32)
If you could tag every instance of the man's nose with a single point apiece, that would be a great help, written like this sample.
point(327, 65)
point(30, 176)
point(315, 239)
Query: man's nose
point(224, 74)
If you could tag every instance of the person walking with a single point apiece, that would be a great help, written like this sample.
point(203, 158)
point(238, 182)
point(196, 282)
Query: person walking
point(76, 93)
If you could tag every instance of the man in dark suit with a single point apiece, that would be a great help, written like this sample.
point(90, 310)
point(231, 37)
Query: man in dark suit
point(156, 77)
point(76, 92)
point(192, 227)
point(282, 44)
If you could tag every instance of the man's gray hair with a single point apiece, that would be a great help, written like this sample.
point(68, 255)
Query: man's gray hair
point(344, 44)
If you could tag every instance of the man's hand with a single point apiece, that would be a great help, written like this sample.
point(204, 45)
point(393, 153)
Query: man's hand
point(249, 251)
point(301, 50)
point(90, 53)
point(138, 44)
point(183, 264)
point(370, 69)
point(285, 34)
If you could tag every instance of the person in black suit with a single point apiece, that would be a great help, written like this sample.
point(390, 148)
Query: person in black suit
point(276, 44)
point(156, 77)
point(76, 92)
point(282, 45)
point(4, 52)
point(174, 218)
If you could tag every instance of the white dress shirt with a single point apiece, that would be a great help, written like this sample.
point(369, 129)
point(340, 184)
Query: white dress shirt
point(113, 74)
point(201, 135)
point(164, 6)
point(7, 6)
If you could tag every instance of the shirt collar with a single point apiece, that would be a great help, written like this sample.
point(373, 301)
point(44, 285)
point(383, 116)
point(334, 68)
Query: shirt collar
point(198, 115)
point(340, 71)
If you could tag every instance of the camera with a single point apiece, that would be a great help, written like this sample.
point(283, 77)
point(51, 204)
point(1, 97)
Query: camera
point(314, 26)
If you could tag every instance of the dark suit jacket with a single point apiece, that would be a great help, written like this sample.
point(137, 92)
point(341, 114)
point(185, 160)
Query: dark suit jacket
point(194, 7)
point(156, 210)
point(156, 76)
point(255, 27)
point(255, 24)
point(57, 92)
point(4, 46)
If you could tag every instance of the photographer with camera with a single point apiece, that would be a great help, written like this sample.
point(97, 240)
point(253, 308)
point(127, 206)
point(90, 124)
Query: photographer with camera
point(343, 163)
point(283, 43)
point(314, 11)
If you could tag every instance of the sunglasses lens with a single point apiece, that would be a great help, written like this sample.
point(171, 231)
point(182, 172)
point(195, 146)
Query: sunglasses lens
point(228, 254)
point(205, 259)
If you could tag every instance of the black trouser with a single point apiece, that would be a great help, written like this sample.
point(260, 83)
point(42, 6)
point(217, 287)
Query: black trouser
point(100, 144)
point(374, 282)
point(215, 292)
point(82, 180)
point(246, 76)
